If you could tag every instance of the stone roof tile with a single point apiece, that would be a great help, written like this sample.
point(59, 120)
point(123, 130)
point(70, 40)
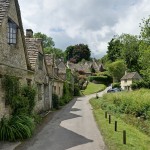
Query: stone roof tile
point(4, 4)
point(131, 75)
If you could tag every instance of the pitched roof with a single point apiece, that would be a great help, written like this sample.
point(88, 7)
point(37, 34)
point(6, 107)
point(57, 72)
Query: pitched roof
point(4, 4)
point(131, 75)
point(49, 59)
point(32, 49)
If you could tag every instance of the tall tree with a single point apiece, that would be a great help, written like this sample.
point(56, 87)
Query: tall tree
point(48, 45)
point(117, 70)
point(130, 51)
point(78, 52)
point(144, 48)
point(47, 41)
point(114, 49)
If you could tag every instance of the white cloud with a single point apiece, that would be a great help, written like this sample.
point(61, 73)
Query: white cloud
point(93, 22)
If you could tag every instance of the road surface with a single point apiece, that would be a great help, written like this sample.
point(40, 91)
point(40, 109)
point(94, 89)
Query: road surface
point(71, 128)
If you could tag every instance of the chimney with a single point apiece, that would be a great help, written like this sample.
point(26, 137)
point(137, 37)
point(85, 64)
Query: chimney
point(29, 33)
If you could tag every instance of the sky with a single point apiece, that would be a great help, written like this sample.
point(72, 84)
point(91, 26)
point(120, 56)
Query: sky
point(91, 22)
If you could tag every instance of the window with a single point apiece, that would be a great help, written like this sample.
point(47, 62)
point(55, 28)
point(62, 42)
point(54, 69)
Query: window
point(40, 57)
point(12, 32)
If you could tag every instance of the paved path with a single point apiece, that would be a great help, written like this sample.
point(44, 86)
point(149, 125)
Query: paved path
point(71, 128)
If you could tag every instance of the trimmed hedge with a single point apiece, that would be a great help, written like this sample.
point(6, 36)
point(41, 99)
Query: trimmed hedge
point(140, 84)
point(100, 79)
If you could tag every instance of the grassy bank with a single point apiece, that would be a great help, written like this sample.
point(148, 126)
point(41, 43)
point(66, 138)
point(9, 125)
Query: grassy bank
point(136, 140)
point(93, 88)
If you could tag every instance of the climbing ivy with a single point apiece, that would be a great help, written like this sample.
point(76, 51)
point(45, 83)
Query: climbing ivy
point(21, 123)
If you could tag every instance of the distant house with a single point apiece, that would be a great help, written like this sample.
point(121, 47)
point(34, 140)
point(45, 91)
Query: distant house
point(128, 78)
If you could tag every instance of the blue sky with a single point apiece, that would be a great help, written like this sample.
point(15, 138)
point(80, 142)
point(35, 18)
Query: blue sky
point(92, 22)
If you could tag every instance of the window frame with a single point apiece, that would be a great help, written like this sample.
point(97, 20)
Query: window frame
point(12, 31)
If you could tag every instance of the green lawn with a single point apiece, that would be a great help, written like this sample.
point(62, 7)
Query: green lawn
point(136, 140)
point(93, 88)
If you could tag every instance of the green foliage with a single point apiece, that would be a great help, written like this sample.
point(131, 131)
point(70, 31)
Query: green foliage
point(114, 49)
point(140, 84)
point(136, 140)
point(145, 29)
point(93, 88)
point(116, 85)
point(55, 101)
point(17, 127)
point(19, 105)
point(52, 50)
point(29, 93)
point(117, 69)
point(130, 51)
point(76, 90)
point(136, 103)
point(67, 94)
point(21, 100)
point(12, 88)
point(78, 52)
point(99, 79)
point(48, 45)
point(47, 41)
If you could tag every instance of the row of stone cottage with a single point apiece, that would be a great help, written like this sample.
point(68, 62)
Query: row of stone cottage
point(23, 57)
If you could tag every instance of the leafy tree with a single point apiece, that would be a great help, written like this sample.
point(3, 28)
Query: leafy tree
point(114, 49)
point(117, 70)
point(48, 45)
point(145, 29)
point(130, 51)
point(47, 41)
point(58, 52)
point(78, 52)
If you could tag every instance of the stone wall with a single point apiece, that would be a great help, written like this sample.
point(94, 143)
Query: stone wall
point(11, 54)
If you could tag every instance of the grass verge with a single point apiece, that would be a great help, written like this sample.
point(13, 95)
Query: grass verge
point(93, 88)
point(136, 140)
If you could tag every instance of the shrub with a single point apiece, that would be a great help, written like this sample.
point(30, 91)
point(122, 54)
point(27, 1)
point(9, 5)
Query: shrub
point(116, 85)
point(99, 79)
point(55, 101)
point(19, 105)
point(140, 84)
point(76, 90)
point(29, 93)
point(17, 127)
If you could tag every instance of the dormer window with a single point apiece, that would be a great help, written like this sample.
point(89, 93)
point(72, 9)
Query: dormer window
point(12, 32)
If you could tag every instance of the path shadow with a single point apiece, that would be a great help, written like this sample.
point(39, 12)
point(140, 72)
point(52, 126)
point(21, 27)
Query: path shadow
point(52, 136)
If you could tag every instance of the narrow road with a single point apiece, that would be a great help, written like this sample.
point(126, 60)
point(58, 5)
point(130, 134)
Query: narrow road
point(71, 128)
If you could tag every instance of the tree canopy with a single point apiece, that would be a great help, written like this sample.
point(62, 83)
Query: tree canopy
point(48, 45)
point(78, 52)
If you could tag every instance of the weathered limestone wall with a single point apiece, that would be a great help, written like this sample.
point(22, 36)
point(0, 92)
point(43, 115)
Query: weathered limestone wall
point(12, 55)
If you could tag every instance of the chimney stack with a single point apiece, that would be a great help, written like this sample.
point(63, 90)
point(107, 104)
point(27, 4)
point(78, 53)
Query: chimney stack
point(29, 33)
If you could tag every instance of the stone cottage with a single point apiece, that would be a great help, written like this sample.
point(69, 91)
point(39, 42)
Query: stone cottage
point(42, 80)
point(13, 54)
point(128, 78)
point(57, 82)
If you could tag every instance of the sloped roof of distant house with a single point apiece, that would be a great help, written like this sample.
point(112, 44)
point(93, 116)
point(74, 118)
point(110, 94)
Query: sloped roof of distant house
point(49, 59)
point(4, 5)
point(131, 75)
point(62, 67)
